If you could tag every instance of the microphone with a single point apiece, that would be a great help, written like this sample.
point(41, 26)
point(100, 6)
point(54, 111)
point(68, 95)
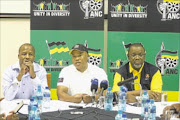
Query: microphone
point(103, 86)
point(94, 87)
point(127, 80)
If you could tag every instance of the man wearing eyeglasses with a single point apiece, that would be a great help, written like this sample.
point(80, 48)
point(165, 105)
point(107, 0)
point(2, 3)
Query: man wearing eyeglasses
point(148, 75)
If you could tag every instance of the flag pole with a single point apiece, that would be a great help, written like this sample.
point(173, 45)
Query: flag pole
point(125, 49)
point(48, 49)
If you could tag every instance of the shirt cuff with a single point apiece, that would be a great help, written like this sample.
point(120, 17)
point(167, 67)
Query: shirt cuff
point(16, 82)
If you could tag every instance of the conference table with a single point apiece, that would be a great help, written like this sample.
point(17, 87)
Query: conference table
point(90, 111)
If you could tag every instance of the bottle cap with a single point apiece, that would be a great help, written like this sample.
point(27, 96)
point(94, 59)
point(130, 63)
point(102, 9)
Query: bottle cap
point(152, 101)
point(123, 90)
point(145, 92)
point(31, 99)
point(147, 101)
point(119, 111)
point(124, 115)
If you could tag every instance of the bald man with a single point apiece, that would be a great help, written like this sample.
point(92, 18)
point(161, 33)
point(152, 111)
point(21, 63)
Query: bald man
point(21, 79)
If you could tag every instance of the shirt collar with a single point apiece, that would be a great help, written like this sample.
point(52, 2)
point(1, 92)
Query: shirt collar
point(131, 69)
point(16, 66)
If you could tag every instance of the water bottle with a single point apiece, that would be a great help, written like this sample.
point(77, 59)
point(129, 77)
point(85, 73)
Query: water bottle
point(119, 115)
point(152, 114)
point(145, 96)
point(35, 114)
point(39, 97)
point(34, 111)
point(124, 116)
point(46, 99)
point(147, 106)
point(109, 100)
point(122, 100)
point(30, 109)
point(146, 113)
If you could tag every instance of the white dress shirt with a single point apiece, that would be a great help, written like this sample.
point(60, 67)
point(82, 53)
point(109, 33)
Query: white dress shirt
point(80, 82)
point(13, 89)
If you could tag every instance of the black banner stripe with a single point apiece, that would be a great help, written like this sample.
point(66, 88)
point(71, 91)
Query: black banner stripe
point(167, 51)
point(95, 50)
point(56, 43)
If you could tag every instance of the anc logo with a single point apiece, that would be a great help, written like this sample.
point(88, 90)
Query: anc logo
point(166, 59)
point(95, 56)
point(91, 8)
point(51, 9)
point(169, 9)
point(128, 11)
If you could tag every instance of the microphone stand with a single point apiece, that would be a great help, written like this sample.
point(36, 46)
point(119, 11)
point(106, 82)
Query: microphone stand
point(101, 100)
point(139, 98)
point(93, 97)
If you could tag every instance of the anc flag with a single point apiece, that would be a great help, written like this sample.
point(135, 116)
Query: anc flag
point(94, 54)
point(169, 54)
point(56, 49)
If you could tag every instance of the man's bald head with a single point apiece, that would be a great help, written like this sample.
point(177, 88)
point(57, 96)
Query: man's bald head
point(26, 44)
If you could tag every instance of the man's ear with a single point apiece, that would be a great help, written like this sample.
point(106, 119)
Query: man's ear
point(128, 56)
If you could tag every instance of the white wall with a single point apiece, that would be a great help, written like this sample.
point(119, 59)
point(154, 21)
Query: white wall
point(15, 6)
point(13, 33)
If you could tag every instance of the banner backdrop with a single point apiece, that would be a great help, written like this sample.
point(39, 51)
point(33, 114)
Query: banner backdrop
point(155, 24)
point(144, 15)
point(56, 26)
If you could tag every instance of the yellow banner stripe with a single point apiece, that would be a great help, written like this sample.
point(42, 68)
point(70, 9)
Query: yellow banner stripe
point(173, 1)
point(96, 55)
point(59, 50)
point(168, 56)
point(173, 96)
point(54, 94)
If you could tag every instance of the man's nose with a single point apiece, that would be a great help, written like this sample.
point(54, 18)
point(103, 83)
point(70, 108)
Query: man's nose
point(77, 58)
point(27, 56)
point(137, 57)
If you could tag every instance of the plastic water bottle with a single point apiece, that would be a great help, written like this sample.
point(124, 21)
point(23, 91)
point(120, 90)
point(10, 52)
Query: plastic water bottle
point(147, 106)
point(152, 114)
point(30, 109)
point(109, 100)
point(146, 113)
point(122, 100)
point(145, 96)
point(124, 116)
point(35, 114)
point(119, 115)
point(34, 111)
point(39, 97)
point(46, 99)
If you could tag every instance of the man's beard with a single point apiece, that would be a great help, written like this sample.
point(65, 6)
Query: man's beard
point(137, 66)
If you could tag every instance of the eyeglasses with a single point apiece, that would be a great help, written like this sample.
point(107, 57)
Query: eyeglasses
point(140, 55)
